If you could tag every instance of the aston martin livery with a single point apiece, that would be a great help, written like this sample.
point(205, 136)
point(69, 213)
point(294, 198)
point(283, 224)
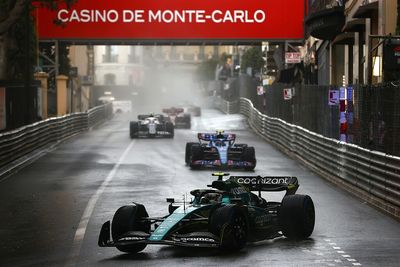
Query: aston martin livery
point(226, 215)
point(219, 150)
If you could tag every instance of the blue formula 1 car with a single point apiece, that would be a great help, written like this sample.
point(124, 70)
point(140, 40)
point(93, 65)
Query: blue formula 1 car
point(225, 216)
point(219, 150)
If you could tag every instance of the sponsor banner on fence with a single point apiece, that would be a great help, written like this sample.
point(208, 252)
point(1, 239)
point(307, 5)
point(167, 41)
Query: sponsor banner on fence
point(333, 98)
point(174, 20)
point(260, 90)
point(292, 57)
point(287, 93)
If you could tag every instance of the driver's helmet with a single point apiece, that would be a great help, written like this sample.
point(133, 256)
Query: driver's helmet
point(220, 134)
point(151, 114)
point(210, 198)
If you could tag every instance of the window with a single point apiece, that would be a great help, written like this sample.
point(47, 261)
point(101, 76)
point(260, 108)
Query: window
point(109, 79)
point(111, 54)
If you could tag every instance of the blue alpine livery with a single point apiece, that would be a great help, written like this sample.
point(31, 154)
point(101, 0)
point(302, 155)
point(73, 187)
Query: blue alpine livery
point(219, 150)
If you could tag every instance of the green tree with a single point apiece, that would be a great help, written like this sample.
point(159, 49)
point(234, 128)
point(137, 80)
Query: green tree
point(207, 69)
point(252, 58)
point(16, 30)
point(398, 18)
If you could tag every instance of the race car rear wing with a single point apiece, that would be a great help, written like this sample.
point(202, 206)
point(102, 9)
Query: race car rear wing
point(173, 110)
point(213, 136)
point(289, 184)
point(142, 117)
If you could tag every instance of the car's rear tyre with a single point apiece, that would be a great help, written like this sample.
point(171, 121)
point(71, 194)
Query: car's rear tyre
point(231, 225)
point(133, 129)
point(188, 150)
point(297, 216)
point(129, 218)
point(198, 112)
point(187, 120)
point(249, 154)
point(169, 127)
point(196, 153)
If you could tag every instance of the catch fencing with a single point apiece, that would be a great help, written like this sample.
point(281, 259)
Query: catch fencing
point(20, 143)
point(374, 121)
point(371, 175)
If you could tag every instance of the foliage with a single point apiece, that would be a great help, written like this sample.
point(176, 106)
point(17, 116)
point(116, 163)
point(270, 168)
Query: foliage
point(398, 18)
point(17, 29)
point(252, 57)
point(206, 70)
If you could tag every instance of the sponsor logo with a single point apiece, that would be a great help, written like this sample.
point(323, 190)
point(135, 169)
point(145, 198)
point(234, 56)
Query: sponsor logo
point(132, 238)
point(263, 180)
point(196, 239)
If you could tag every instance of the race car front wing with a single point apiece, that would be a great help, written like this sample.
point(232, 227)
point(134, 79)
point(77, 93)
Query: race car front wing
point(217, 163)
point(194, 239)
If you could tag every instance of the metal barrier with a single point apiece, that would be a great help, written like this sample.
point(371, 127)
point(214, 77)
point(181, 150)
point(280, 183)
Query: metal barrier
point(20, 142)
point(226, 106)
point(371, 175)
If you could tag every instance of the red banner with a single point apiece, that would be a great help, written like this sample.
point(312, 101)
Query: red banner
point(175, 19)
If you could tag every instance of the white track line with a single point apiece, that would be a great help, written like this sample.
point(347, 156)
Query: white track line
point(80, 232)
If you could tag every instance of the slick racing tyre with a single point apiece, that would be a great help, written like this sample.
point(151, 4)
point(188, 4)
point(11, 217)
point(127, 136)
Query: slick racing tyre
point(133, 129)
point(297, 216)
point(169, 127)
point(188, 150)
point(249, 155)
point(128, 218)
point(231, 225)
point(187, 121)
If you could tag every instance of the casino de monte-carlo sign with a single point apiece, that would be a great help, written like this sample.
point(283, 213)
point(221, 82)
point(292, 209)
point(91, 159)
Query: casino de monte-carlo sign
point(153, 20)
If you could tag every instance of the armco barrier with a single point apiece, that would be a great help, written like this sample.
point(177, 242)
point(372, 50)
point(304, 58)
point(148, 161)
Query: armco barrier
point(21, 142)
point(373, 176)
point(227, 107)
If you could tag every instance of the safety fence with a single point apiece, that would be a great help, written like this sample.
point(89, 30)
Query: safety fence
point(371, 175)
point(19, 143)
point(371, 120)
point(226, 106)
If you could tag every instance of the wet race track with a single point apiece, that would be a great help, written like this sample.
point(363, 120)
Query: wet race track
point(52, 210)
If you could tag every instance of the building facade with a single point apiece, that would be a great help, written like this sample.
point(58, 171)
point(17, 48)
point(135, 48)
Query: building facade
point(346, 40)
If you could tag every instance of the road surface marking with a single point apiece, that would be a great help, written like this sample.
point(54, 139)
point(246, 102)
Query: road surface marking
point(80, 232)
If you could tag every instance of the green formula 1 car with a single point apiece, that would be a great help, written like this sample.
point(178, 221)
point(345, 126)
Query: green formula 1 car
point(227, 215)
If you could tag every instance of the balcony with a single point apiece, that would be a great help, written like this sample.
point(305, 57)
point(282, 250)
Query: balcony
point(326, 19)
point(367, 9)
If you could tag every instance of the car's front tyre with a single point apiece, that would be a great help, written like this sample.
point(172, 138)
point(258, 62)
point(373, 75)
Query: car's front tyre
point(188, 151)
point(129, 218)
point(231, 225)
point(133, 129)
point(196, 153)
point(169, 127)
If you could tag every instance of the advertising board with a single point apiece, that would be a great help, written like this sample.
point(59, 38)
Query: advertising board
point(173, 20)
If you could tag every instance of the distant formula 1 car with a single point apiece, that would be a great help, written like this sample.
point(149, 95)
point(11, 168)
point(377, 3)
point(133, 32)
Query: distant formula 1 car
point(225, 216)
point(219, 150)
point(178, 117)
point(151, 126)
point(192, 109)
